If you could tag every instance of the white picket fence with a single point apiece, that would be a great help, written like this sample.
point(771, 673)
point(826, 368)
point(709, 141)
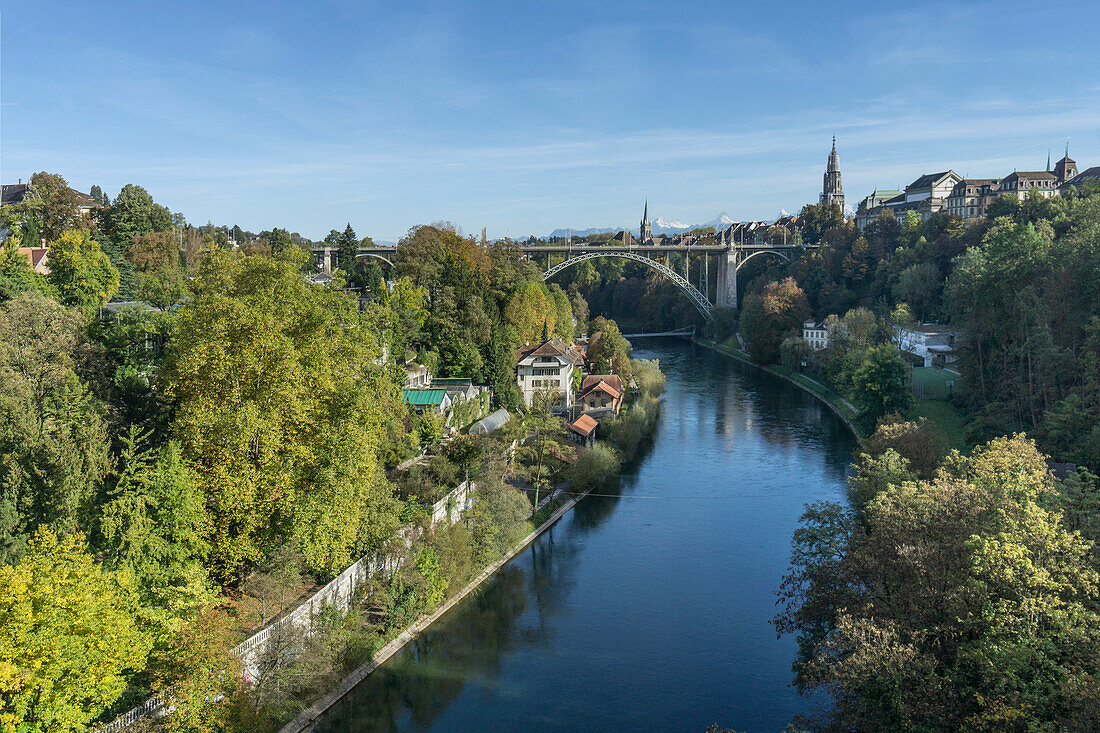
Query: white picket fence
point(337, 592)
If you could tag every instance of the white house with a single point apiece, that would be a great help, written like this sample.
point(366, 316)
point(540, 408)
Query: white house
point(932, 344)
point(547, 368)
point(816, 335)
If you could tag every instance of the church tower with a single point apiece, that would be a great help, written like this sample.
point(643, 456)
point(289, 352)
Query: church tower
point(831, 190)
point(646, 229)
point(1066, 168)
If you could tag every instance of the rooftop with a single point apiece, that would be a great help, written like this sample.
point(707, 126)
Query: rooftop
point(584, 425)
point(423, 397)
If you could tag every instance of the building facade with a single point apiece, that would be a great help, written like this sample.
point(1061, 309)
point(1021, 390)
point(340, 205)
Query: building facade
point(547, 369)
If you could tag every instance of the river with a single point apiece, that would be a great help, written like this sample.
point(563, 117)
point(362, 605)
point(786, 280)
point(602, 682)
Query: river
point(647, 609)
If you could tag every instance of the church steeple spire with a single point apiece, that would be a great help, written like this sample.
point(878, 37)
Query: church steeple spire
point(831, 190)
point(645, 231)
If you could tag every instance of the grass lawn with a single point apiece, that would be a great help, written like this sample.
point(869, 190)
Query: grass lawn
point(948, 419)
point(932, 383)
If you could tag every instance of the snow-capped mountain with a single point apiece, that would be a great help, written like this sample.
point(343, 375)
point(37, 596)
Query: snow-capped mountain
point(660, 226)
point(584, 232)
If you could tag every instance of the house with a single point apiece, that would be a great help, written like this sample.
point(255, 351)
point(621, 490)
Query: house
point(430, 400)
point(583, 430)
point(601, 393)
point(548, 368)
point(1020, 183)
point(931, 344)
point(1090, 174)
point(816, 335)
point(971, 198)
point(417, 375)
point(926, 196)
point(873, 203)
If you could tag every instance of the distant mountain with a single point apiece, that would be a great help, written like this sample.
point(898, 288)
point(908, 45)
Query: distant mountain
point(660, 226)
point(584, 232)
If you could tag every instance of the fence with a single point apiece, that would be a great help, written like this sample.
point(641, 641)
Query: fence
point(337, 592)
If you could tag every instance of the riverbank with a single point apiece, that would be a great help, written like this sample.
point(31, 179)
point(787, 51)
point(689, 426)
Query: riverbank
point(840, 407)
point(309, 717)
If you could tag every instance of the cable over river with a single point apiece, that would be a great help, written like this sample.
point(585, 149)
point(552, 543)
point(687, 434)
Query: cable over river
point(648, 606)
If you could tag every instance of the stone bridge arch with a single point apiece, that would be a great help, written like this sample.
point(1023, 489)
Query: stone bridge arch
point(697, 298)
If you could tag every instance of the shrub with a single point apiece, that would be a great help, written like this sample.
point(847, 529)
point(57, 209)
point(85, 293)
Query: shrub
point(595, 466)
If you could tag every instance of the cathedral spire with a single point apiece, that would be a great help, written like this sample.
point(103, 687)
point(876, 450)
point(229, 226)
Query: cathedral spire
point(645, 231)
point(831, 190)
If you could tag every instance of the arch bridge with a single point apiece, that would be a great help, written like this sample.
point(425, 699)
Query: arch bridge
point(705, 293)
point(729, 259)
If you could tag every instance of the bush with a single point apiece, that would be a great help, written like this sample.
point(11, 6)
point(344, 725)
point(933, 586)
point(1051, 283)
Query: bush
point(649, 377)
point(595, 466)
point(634, 425)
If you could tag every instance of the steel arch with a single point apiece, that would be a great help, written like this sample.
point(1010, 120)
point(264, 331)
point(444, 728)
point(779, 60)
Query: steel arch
point(697, 299)
point(377, 256)
point(785, 258)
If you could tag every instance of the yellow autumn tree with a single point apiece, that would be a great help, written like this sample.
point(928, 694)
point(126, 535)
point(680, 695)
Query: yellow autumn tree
point(70, 633)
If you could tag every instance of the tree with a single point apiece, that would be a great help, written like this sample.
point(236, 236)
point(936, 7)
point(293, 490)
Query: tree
point(151, 523)
point(153, 252)
point(919, 285)
point(280, 408)
point(69, 634)
point(133, 213)
point(608, 350)
point(793, 352)
point(54, 451)
point(348, 249)
point(201, 678)
point(881, 383)
point(54, 204)
point(960, 603)
point(921, 443)
point(529, 309)
point(99, 197)
point(81, 272)
point(769, 316)
point(540, 451)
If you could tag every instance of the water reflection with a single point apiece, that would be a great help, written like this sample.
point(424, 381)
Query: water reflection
point(647, 609)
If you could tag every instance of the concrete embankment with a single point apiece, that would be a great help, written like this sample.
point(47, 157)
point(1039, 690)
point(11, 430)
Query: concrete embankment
point(309, 717)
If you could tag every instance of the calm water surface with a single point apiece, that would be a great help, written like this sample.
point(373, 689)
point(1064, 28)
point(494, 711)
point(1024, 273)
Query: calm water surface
point(647, 610)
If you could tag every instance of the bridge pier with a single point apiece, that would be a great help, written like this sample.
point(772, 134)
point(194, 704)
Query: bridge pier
point(727, 279)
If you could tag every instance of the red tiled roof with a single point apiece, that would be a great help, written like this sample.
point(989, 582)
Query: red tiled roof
point(584, 425)
point(611, 380)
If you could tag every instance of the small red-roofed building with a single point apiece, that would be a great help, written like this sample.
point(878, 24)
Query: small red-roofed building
point(601, 393)
point(583, 430)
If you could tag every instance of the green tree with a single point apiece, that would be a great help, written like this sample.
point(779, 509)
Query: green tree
point(279, 408)
point(16, 275)
point(881, 383)
point(70, 633)
point(151, 524)
point(919, 286)
point(348, 248)
point(54, 451)
point(81, 272)
point(133, 213)
point(960, 603)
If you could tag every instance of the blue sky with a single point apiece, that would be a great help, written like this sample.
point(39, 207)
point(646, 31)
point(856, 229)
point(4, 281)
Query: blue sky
point(526, 116)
